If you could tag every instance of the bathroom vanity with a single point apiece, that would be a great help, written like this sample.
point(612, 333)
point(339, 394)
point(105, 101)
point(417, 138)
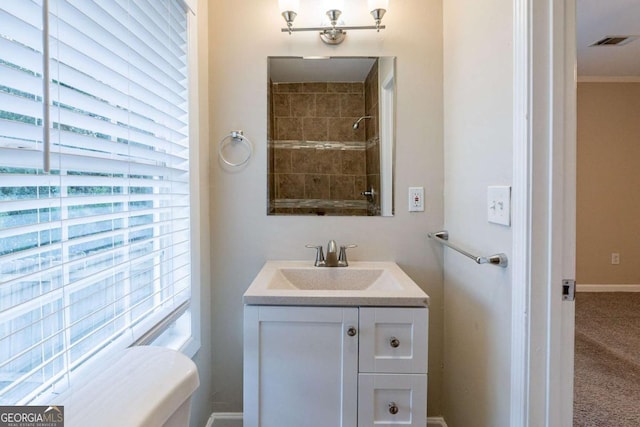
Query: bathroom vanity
point(335, 347)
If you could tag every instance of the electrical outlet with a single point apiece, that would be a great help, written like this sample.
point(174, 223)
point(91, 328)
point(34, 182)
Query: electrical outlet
point(615, 258)
point(499, 205)
point(416, 199)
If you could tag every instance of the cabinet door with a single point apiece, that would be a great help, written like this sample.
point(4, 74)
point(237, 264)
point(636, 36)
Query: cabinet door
point(300, 366)
point(393, 340)
point(388, 400)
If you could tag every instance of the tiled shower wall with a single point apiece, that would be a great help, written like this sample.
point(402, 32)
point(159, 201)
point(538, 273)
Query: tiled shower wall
point(317, 160)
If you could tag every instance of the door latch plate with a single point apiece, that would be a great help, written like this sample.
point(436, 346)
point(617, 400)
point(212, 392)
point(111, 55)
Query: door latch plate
point(568, 290)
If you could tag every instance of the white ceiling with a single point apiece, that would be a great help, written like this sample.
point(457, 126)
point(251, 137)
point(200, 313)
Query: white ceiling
point(597, 19)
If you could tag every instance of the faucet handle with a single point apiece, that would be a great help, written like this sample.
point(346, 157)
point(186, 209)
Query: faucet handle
point(342, 258)
point(319, 254)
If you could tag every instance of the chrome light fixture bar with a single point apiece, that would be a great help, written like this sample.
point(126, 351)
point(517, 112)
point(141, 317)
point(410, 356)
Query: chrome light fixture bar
point(333, 34)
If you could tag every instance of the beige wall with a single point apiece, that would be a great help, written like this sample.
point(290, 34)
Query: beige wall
point(242, 33)
point(608, 205)
point(478, 67)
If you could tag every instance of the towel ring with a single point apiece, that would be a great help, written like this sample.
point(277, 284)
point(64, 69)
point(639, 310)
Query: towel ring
point(235, 136)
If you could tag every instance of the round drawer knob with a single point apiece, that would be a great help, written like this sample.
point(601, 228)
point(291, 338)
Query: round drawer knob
point(394, 342)
point(393, 408)
point(352, 331)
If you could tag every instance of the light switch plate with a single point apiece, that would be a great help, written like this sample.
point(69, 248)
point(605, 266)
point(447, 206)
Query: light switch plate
point(499, 205)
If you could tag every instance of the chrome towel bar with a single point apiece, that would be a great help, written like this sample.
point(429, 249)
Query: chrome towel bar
point(499, 260)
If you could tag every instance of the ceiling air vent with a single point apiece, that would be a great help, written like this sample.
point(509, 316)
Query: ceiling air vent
point(614, 40)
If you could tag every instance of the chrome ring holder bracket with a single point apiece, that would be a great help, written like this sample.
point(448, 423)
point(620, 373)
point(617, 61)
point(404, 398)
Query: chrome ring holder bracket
point(235, 137)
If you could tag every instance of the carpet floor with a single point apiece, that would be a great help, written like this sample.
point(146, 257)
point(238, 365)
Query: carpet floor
point(607, 360)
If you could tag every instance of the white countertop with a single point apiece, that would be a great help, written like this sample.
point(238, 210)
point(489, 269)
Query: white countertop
point(383, 284)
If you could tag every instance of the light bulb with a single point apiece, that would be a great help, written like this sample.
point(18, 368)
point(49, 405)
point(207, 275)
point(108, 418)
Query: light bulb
point(378, 4)
point(288, 5)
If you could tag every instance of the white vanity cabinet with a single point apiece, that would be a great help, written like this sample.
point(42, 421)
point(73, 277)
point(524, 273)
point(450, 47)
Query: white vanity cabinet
point(335, 366)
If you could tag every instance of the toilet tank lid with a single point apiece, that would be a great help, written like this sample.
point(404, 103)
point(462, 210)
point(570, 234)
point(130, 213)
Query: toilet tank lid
point(141, 386)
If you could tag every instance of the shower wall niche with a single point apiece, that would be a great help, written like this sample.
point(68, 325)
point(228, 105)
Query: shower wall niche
point(319, 163)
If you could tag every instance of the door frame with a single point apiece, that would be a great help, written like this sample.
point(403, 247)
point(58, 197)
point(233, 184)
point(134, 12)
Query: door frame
point(544, 174)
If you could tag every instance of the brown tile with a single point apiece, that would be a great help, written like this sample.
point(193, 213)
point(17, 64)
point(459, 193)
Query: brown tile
point(303, 104)
point(371, 129)
point(281, 105)
point(328, 105)
point(373, 159)
point(339, 87)
point(287, 87)
point(360, 186)
point(349, 87)
point(288, 128)
point(315, 129)
point(342, 187)
point(336, 88)
point(351, 105)
point(270, 155)
point(372, 98)
point(282, 160)
point(359, 134)
point(314, 87)
point(356, 88)
point(329, 161)
point(371, 82)
point(290, 186)
point(354, 162)
point(316, 186)
point(271, 186)
point(341, 130)
point(270, 127)
point(304, 160)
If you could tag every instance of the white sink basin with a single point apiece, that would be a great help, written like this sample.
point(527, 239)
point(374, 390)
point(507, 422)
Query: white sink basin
point(362, 283)
point(335, 279)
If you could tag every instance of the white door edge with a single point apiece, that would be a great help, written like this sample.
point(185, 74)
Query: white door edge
point(521, 220)
point(543, 213)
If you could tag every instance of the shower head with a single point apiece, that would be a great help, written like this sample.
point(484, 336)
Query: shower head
point(356, 124)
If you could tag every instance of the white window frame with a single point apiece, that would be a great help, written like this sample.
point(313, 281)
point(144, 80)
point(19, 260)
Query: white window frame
point(192, 344)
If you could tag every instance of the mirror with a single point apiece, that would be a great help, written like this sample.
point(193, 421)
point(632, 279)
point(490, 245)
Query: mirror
point(330, 135)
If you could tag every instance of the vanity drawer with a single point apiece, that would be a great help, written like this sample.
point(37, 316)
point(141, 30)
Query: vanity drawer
point(392, 399)
point(393, 340)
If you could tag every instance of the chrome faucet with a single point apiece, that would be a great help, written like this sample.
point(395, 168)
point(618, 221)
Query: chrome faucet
point(334, 258)
point(332, 254)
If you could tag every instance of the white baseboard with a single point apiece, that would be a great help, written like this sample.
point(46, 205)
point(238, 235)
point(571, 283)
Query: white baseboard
point(607, 288)
point(229, 416)
point(436, 422)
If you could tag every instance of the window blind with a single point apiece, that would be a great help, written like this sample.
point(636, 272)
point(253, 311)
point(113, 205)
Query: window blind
point(96, 252)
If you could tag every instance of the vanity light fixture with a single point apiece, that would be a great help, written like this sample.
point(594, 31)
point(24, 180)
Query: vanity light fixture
point(333, 34)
